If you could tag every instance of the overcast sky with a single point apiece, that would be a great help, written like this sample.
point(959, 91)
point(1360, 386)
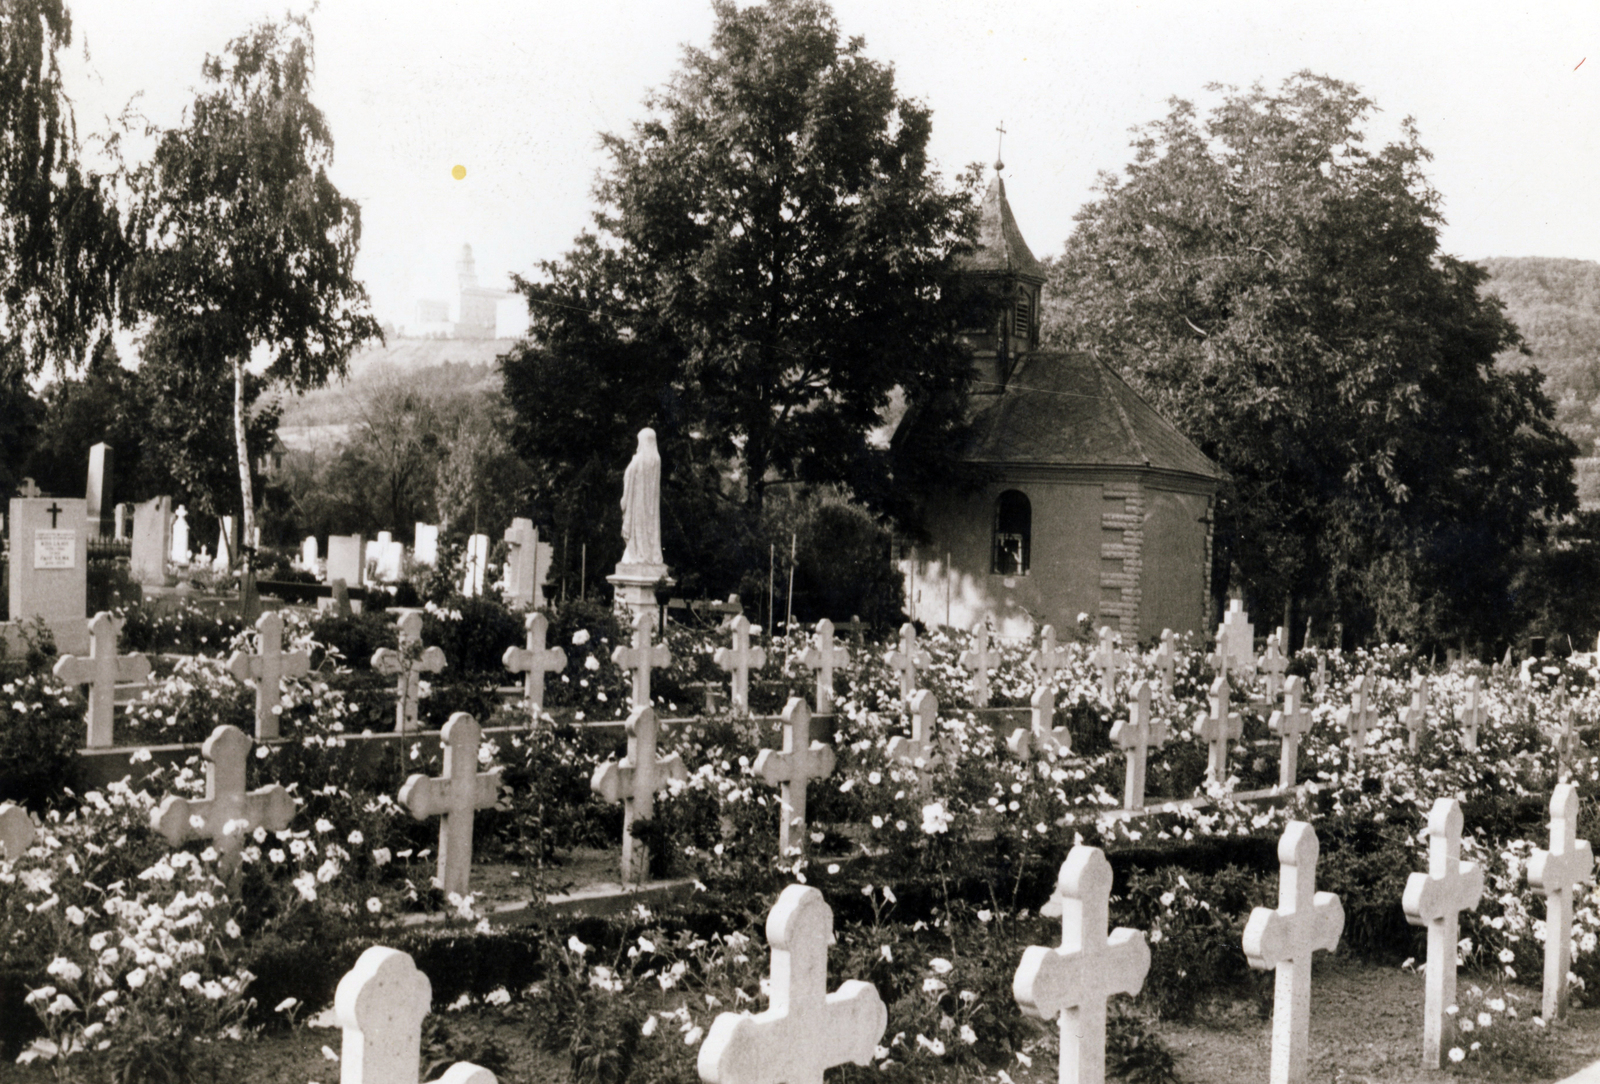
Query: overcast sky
point(1507, 96)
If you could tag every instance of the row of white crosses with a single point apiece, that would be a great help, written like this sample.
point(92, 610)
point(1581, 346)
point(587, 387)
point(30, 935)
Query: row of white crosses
point(407, 663)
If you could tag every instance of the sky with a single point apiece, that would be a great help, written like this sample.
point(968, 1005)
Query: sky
point(1506, 96)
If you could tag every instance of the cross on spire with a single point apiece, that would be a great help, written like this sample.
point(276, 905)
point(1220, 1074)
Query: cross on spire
point(534, 661)
point(1074, 982)
point(805, 1030)
point(823, 657)
point(1136, 736)
point(1555, 873)
point(642, 658)
point(454, 796)
point(267, 670)
point(1291, 723)
point(791, 768)
point(999, 144)
point(739, 660)
point(408, 663)
point(101, 671)
point(1436, 899)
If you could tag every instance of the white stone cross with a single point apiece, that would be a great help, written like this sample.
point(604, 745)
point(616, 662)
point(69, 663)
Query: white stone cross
point(1167, 659)
point(1473, 714)
point(1042, 730)
point(1074, 982)
point(1109, 660)
point(1274, 665)
point(1563, 738)
point(790, 769)
point(454, 796)
point(824, 657)
point(1306, 920)
point(1414, 717)
point(380, 1004)
point(921, 749)
point(1216, 728)
point(101, 671)
point(17, 832)
point(1357, 717)
point(980, 660)
point(642, 658)
point(1554, 874)
point(1240, 640)
point(1291, 723)
point(227, 813)
point(739, 660)
point(1049, 659)
point(408, 663)
point(1136, 736)
point(1436, 899)
point(805, 1030)
point(634, 780)
point(534, 661)
point(907, 659)
point(267, 670)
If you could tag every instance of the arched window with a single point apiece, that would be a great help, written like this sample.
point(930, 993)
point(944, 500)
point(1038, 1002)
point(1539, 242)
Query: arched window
point(1013, 533)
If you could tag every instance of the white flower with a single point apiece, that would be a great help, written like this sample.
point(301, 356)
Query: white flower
point(381, 856)
point(934, 818)
point(64, 969)
point(374, 904)
point(231, 928)
point(324, 825)
point(650, 1024)
point(580, 637)
point(933, 1046)
point(940, 966)
point(286, 1004)
point(98, 941)
point(693, 1035)
point(1457, 1054)
point(306, 885)
point(357, 839)
point(190, 981)
point(213, 990)
point(498, 997)
point(61, 1004)
point(591, 663)
point(931, 985)
point(968, 1036)
point(576, 947)
point(136, 978)
point(74, 916)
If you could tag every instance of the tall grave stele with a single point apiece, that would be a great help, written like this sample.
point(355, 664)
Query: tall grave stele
point(50, 568)
point(152, 541)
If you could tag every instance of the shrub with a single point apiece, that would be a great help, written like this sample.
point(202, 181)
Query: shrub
point(41, 725)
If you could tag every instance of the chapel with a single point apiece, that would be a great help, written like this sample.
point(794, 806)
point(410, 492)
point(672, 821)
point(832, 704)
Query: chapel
point(1092, 503)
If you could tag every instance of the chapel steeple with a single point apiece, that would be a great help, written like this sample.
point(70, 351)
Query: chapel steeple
point(1005, 283)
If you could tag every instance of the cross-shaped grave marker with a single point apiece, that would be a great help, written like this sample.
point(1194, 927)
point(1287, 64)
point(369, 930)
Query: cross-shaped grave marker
point(1109, 660)
point(1472, 714)
point(1414, 717)
point(380, 1004)
point(101, 671)
point(805, 1030)
point(907, 659)
point(29, 490)
point(227, 813)
point(1074, 982)
point(1306, 920)
point(634, 780)
point(1274, 665)
point(1563, 736)
point(1241, 639)
point(790, 769)
point(739, 660)
point(1049, 659)
point(1291, 723)
point(824, 657)
point(921, 749)
point(1042, 732)
point(267, 670)
point(454, 796)
point(1167, 659)
point(1554, 873)
point(1357, 717)
point(1216, 728)
point(534, 661)
point(1219, 660)
point(17, 831)
point(408, 663)
point(642, 658)
point(1136, 736)
point(980, 660)
point(1436, 899)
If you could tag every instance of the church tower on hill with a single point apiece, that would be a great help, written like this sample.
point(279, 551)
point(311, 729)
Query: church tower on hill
point(1095, 503)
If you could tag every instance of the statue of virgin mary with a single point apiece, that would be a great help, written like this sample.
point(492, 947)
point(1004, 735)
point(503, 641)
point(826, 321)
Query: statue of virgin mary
point(641, 504)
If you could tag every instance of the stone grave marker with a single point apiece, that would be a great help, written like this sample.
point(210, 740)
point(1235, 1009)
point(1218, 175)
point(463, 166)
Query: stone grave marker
point(1108, 659)
point(97, 490)
point(308, 553)
point(1220, 659)
point(1555, 874)
point(1241, 640)
point(1414, 717)
point(17, 831)
point(1357, 717)
point(1167, 660)
point(921, 749)
point(1136, 736)
point(634, 780)
point(152, 541)
point(1322, 674)
point(527, 561)
point(29, 489)
point(1472, 714)
point(824, 657)
point(1049, 659)
point(1291, 723)
point(739, 660)
point(1436, 899)
point(980, 660)
point(267, 670)
point(805, 1030)
point(907, 659)
point(408, 663)
point(49, 568)
point(790, 768)
point(1274, 664)
point(1306, 920)
point(1042, 732)
point(388, 561)
point(380, 1004)
point(642, 658)
point(475, 565)
point(454, 796)
point(180, 537)
point(227, 542)
point(1563, 736)
point(227, 814)
point(425, 551)
point(1072, 983)
point(121, 517)
point(101, 671)
point(534, 661)
point(1217, 728)
point(347, 559)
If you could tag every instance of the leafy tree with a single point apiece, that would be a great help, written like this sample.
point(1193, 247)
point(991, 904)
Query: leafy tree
point(1275, 285)
point(766, 268)
point(248, 244)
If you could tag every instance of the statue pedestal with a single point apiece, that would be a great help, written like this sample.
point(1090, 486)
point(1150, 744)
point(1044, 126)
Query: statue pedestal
point(636, 589)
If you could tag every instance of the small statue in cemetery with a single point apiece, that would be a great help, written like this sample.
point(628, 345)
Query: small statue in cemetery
point(641, 504)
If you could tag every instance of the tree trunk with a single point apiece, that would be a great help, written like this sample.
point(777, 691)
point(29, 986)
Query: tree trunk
point(247, 517)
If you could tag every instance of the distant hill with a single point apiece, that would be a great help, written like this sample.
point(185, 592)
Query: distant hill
point(1556, 304)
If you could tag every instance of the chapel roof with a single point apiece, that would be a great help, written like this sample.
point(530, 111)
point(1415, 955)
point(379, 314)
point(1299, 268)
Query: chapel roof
point(1000, 247)
point(1070, 410)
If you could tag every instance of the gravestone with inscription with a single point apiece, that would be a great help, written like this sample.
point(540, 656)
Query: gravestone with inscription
point(49, 568)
